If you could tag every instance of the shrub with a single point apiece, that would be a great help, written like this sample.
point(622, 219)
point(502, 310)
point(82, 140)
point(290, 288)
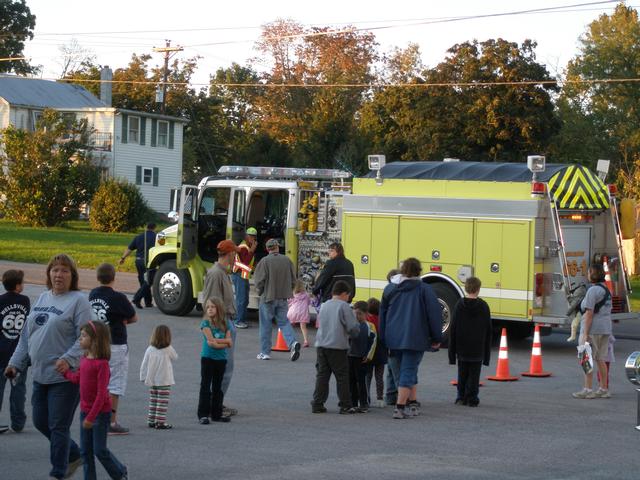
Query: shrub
point(118, 206)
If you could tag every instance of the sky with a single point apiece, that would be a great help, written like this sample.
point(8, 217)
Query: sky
point(225, 32)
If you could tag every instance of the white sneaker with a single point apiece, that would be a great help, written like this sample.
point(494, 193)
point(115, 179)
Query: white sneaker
point(380, 403)
point(602, 393)
point(585, 393)
point(414, 411)
point(263, 356)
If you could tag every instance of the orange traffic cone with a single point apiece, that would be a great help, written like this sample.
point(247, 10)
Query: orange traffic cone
point(281, 345)
point(502, 370)
point(535, 367)
point(607, 275)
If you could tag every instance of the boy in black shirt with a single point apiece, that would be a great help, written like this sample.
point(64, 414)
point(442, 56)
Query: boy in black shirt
point(470, 341)
point(14, 309)
point(115, 310)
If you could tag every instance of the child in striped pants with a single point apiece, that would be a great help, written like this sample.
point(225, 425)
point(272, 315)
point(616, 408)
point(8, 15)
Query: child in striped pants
point(156, 372)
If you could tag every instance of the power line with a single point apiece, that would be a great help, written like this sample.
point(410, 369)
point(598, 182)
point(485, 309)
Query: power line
point(379, 85)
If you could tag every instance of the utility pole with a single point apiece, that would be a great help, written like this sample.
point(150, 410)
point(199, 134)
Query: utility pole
point(167, 50)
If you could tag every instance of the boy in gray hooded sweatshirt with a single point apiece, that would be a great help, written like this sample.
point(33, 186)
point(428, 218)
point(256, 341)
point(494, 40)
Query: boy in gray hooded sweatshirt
point(337, 323)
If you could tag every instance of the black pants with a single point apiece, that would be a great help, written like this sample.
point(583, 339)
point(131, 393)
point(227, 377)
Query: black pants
point(358, 382)
point(211, 396)
point(469, 381)
point(331, 360)
point(144, 292)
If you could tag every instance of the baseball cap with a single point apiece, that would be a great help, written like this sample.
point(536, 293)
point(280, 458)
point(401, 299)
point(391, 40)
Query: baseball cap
point(272, 243)
point(252, 231)
point(226, 246)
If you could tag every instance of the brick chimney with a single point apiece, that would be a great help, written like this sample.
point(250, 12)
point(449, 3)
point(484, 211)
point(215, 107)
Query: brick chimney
point(105, 86)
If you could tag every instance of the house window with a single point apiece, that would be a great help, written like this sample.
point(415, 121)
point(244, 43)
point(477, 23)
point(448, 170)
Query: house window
point(163, 134)
point(134, 129)
point(36, 115)
point(147, 175)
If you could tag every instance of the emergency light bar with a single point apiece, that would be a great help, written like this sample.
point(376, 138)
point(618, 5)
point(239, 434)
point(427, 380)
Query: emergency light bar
point(282, 172)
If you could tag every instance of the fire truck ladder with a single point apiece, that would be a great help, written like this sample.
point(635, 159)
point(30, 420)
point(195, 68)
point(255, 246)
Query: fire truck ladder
point(561, 251)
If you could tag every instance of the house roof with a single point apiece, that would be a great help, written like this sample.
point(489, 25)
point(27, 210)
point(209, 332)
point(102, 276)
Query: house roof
point(35, 92)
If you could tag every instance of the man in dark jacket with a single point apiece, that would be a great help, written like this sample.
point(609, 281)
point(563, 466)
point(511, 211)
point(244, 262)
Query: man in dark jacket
point(141, 245)
point(338, 267)
point(410, 324)
point(470, 341)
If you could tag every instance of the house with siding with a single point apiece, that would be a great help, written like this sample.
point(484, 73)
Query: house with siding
point(143, 148)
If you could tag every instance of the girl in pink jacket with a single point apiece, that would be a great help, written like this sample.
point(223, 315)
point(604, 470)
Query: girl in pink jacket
point(299, 309)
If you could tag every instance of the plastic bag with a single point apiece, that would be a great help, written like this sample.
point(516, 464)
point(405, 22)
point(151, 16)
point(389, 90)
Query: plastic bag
point(585, 358)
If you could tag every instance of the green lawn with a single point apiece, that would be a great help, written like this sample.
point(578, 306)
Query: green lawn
point(88, 248)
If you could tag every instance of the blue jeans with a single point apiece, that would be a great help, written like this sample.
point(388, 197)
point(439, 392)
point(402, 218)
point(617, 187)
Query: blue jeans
point(275, 309)
point(228, 371)
point(393, 375)
point(53, 408)
point(241, 287)
point(94, 442)
point(17, 398)
point(408, 361)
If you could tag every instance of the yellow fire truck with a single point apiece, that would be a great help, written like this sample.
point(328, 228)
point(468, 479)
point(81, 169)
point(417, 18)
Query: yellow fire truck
point(528, 231)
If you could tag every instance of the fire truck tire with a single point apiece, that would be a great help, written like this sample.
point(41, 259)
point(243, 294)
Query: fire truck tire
point(172, 291)
point(447, 298)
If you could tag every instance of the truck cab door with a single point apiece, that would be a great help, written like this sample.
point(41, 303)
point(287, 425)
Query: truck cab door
point(187, 241)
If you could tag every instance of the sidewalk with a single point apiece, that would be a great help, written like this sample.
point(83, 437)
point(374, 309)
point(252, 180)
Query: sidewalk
point(35, 273)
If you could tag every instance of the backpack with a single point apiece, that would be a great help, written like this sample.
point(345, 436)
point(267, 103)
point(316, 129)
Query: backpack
point(599, 305)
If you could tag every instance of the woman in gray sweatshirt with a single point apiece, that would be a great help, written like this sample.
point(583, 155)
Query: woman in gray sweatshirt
point(49, 340)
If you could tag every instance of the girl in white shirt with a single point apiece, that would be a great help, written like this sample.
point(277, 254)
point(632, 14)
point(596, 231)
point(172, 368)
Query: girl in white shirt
point(156, 372)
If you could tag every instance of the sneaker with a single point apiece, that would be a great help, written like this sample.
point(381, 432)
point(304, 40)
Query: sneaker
point(318, 409)
point(163, 426)
point(585, 393)
point(399, 414)
point(117, 429)
point(602, 393)
point(414, 411)
point(151, 424)
point(380, 403)
point(4, 428)
point(363, 409)
point(221, 419)
point(72, 467)
point(241, 325)
point(347, 411)
point(263, 356)
point(460, 401)
point(204, 421)
point(295, 351)
point(229, 412)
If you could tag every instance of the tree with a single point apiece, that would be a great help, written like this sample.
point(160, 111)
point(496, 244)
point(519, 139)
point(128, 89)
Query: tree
point(318, 121)
point(606, 112)
point(476, 122)
point(73, 57)
point(16, 24)
point(49, 173)
point(118, 206)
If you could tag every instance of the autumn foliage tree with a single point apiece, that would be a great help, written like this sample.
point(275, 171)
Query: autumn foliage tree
point(49, 174)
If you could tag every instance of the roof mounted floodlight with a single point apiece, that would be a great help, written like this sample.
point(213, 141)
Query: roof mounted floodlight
point(603, 168)
point(376, 162)
point(536, 163)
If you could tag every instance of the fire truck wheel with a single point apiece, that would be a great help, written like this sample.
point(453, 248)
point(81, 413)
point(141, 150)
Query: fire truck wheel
point(172, 290)
point(447, 298)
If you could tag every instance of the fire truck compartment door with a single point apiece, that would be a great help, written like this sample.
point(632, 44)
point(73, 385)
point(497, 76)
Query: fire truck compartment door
point(503, 262)
point(187, 241)
point(577, 247)
point(371, 243)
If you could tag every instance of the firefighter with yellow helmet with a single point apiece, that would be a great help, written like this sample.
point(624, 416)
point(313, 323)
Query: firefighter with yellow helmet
point(242, 268)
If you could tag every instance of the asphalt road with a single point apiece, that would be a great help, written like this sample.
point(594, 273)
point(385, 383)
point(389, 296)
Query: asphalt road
point(527, 429)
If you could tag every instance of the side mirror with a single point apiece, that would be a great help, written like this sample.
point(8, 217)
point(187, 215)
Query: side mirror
point(173, 216)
